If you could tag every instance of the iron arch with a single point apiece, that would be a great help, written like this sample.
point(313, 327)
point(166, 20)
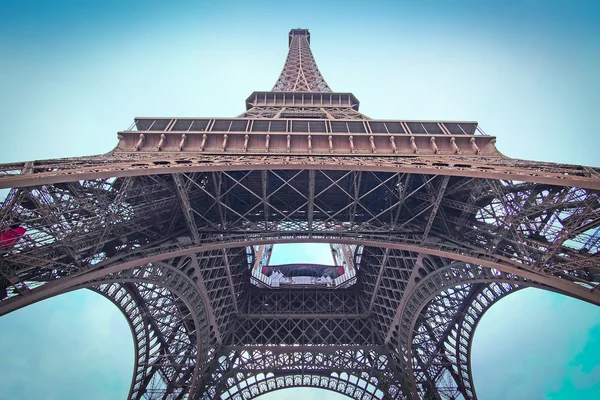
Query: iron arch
point(317, 367)
point(172, 338)
point(436, 324)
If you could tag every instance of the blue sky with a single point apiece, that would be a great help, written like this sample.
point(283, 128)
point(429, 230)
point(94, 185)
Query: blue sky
point(74, 73)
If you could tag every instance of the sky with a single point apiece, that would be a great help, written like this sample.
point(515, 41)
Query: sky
point(73, 73)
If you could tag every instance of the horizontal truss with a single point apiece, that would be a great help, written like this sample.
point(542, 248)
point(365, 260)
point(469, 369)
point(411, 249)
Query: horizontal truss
point(141, 164)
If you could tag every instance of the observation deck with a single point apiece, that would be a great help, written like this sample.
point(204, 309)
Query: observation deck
point(312, 134)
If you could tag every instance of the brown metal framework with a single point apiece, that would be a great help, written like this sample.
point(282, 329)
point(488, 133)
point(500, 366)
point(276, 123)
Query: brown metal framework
point(167, 225)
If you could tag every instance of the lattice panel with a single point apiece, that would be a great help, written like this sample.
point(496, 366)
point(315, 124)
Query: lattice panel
point(213, 267)
point(302, 301)
point(385, 274)
point(314, 331)
point(75, 225)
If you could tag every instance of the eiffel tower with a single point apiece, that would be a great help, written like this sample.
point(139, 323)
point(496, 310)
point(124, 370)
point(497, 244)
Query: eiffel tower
point(428, 223)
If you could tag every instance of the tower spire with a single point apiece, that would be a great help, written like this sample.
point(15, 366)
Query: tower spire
point(300, 72)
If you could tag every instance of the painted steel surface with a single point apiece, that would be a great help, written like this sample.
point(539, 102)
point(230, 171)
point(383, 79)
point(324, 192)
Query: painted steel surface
point(431, 224)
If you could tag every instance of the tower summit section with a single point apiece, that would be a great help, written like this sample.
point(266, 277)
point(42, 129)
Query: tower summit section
point(300, 72)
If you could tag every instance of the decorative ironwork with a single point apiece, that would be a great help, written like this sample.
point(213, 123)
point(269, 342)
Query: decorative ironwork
point(428, 224)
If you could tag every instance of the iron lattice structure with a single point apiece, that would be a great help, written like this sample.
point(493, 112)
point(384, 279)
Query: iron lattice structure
point(175, 224)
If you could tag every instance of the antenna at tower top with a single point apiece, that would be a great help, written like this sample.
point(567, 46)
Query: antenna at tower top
point(298, 32)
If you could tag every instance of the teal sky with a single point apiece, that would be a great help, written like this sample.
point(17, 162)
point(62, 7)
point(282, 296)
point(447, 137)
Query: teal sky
point(73, 73)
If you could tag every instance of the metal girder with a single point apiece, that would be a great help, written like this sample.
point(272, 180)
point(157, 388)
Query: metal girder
point(379, 275)
point(401, 200)
point(230, 281)
point(123, 164)
point(217, 181)
point(444, 339)
point(356, 181)
point(162, 340)
point(299, 302)
point(463, 336)
point(265, 184)
point(436, 205)
point(339, 331)
point(311, 199)
point(186, 207)
point(204, 294)
point(440, 339)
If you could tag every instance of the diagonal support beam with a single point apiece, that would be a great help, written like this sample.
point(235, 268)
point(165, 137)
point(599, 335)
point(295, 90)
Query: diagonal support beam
point(218, 182)
point(336, 183)
point(311, 200)
point(436, 206)
point(356, 182)
point(186, 207)
point(265, 200)
point(217, 199)
point(402, 199)
point(378, 281)
point(230, 280)
point(210, 315)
